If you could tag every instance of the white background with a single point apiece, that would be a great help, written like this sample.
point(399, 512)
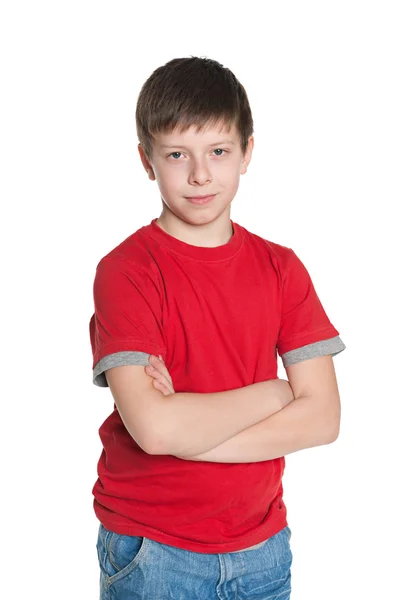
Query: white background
point(323, 82)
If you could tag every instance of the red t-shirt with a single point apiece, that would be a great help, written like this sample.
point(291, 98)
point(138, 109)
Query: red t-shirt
point(218, 317)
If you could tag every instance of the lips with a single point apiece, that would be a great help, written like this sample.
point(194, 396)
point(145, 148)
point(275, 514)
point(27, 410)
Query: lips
point(200, 199)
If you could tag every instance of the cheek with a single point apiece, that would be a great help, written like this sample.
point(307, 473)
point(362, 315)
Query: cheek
point(229, 175)
point(229, 167)
point(172, 180)
point(168, 178)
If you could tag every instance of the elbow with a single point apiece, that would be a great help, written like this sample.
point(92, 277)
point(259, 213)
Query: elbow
point(155, 448)
point(332, 418)
point(156, 434)
point(144, 442)
point(148, 447)
point(155, 444)
point(148, 441)
point(164, 438)
point(331, 438)
point(333, 432)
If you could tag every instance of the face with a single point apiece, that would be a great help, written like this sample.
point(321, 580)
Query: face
point(191, 163)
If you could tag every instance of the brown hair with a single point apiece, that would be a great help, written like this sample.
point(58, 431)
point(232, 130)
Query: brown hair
point(191, 91)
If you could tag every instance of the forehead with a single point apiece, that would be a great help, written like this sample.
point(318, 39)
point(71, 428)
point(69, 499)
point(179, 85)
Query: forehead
point(209, 134)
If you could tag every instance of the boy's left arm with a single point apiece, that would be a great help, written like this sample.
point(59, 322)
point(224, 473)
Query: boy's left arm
point(311, 419)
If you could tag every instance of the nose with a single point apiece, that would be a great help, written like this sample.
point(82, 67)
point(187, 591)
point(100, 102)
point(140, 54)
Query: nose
point(200, 173)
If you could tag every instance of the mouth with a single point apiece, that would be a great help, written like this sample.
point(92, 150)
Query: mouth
point(200, 199)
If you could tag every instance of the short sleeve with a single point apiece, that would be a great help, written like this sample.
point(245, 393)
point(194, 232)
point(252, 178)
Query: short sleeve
point(126, 326)
point(305, 329)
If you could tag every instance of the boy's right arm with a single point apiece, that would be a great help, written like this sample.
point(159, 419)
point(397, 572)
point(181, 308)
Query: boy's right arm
point(187, 423)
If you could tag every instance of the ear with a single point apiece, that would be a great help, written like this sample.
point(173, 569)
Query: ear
point(146, 163)
point(247, 157)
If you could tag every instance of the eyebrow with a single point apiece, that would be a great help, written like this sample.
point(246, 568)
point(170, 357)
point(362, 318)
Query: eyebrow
point(209, 146)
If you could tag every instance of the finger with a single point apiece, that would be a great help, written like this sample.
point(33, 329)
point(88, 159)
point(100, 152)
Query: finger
point(157, 364)
point(159, 386)
point(162, 387)
point(164, 371)
point(157, 375)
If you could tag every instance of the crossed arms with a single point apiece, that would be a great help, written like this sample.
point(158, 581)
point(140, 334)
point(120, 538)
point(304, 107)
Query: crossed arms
point(311, 419)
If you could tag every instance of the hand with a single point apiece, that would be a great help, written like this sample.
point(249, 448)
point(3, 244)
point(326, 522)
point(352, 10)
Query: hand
point(162, 380)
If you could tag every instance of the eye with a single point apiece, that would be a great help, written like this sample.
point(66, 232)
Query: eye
point(175, 157)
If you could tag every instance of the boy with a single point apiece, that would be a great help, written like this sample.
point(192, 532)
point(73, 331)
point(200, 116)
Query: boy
point(189, 489)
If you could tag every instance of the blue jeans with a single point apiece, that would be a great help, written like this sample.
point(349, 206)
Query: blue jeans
point(137, 568)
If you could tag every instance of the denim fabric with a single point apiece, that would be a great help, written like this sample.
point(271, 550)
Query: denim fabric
point(137, 568)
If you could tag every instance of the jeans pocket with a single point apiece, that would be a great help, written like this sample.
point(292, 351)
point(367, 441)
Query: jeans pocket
point(119, 554)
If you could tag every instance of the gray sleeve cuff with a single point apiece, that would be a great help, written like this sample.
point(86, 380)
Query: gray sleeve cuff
point(118, 359)
point(332, 346)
